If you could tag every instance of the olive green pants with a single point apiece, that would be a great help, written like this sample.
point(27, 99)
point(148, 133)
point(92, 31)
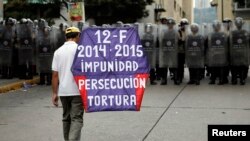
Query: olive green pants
point(72, 117)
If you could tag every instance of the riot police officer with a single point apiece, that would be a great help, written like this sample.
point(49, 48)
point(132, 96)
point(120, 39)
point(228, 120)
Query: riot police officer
point(45, 52)
point(194, 54)
point(149, 44)
point(6, 48)
point(181, 48)
point(169, 51)
point(217, 53)
point(25, 49)
point(1, 32)
point(239, 47)
point(60, 36)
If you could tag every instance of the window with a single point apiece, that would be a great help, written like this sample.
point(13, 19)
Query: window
point(174, 5)
point(183, 14)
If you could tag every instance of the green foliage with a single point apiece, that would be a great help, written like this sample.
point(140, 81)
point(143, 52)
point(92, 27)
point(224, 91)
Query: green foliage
point(32, 9)
point(110, 11)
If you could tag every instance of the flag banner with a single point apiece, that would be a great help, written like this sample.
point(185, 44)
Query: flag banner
point(110, 69)
point(75, 11)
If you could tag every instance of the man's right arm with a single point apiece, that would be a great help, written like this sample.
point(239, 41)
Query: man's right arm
point(55, 80)
point(55, 83)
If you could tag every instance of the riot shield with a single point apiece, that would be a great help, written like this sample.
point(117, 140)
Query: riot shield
point(1, 44)
point(6, 46)
point(194, 51)
point(60, 38)
point(25, 45)
point(57, 37)
point(168, 39)
point(45, 51)
point(217, 52)
point(239, 48)
point(148, 34)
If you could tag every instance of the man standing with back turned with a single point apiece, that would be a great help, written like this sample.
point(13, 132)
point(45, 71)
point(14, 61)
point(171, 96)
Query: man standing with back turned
point(63, 85)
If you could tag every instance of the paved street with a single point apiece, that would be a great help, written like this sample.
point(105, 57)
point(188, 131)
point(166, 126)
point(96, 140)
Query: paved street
point(168, 113)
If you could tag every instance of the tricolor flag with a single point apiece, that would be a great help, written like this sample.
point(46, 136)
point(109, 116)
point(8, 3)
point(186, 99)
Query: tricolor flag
point(110, 69)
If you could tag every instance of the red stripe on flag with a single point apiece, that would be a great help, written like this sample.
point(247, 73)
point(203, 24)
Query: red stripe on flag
point(82, 91)
point(140, 91)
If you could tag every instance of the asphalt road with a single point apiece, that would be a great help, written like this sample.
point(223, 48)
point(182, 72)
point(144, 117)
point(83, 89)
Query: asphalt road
point(168, 113)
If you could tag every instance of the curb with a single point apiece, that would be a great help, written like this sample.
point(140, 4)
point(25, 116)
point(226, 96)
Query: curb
point(17, 85)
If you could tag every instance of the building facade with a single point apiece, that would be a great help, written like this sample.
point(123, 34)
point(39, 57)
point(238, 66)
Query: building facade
point(177, 9)
point(232, 8)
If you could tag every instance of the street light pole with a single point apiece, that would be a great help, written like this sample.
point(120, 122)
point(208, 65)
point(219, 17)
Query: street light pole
point(222, 10)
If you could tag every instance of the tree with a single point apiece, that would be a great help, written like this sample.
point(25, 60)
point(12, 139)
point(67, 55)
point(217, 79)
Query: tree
point(111, 11)
point(18, 9)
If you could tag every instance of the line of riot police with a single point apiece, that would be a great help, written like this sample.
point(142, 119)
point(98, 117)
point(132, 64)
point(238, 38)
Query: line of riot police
point(26, 48)
point(219, 48)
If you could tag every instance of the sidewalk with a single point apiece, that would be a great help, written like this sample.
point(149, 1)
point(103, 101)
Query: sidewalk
point(7, 85)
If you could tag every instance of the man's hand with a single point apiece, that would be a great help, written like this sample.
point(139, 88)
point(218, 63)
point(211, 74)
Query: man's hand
point(55, 99)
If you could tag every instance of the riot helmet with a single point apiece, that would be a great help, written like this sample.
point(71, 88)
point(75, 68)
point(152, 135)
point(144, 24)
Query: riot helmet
point(170, 22)
point(105, 25)
point(61, 26)
point(41, 23)
point(194, 28)
point(216, 25)
point(239, 22)
point(93, 25)
point(136, 25)
point(119, 24)
point(10, 21)
point(127, 25)
point(148, 28)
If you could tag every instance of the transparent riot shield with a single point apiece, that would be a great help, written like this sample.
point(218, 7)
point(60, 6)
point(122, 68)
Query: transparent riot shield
point(239, 47)
point(148, 34)
point(194, 50)
point(217, 52)
point(45, 50)
point(6, 46)
point(168, 51)
point(25, 45)
point(1, 43)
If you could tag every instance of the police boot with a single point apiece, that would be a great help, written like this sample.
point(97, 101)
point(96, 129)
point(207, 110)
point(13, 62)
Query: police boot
point(242, 82)
point(234, 82)
point(191, 82)
point(164, 81)
point(9, 73)
point(42, 79)
point(225, 81)
point(153, 82)
point(49, 78)
point(197, 82)
point(176, 78)
point(234, 79)
point(211, 82)
point(221, 82)
point(177, 82)
point(192, 77)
